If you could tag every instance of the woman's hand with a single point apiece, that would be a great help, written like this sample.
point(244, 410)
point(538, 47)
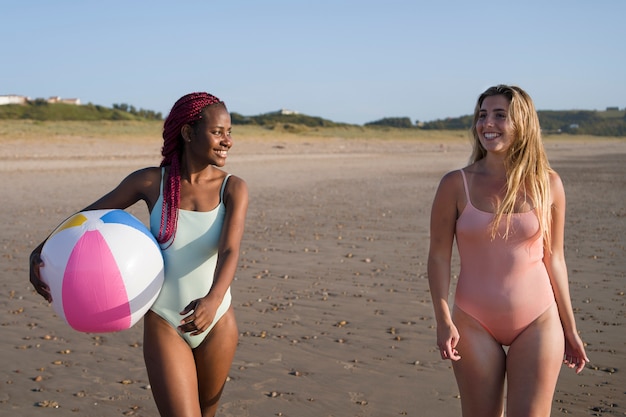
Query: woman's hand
point(202, 311)
point(447, 339)
point(575, 356)
point(35, 263)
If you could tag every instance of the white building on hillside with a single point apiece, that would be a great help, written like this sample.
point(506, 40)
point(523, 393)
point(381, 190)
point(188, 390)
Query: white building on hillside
point(13, 99)
point(57, 99)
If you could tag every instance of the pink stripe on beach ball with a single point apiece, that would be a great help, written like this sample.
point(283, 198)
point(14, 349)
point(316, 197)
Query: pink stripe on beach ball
point(93, 287)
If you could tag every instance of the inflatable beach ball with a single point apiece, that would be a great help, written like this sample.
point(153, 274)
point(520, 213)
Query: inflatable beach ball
point(104, 269)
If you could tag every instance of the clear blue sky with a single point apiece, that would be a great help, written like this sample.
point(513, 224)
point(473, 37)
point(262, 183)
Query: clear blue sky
point(350, 61)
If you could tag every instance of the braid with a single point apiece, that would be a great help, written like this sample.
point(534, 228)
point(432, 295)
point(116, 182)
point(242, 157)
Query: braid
point(186, 110)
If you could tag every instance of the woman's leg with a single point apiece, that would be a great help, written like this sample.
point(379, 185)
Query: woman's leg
point(171, 369)
point(533, 364)
point(213, 359)
point(481, 370)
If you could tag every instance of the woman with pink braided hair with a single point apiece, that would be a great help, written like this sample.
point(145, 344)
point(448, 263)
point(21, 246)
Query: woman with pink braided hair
point(197, 214)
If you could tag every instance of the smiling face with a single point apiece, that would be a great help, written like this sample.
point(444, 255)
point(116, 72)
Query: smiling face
point(494, 129)
point(209, 139)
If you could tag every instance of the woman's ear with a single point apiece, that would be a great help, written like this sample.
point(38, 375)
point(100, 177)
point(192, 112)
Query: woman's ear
point(186, 132)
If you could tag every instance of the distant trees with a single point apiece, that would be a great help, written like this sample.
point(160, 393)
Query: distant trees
point(41, 109)
point(145, 114)
point(399, 122)
point(238, 119)
point(611, 122)
point(451, 123)
point(578, 122)
point(279, 118)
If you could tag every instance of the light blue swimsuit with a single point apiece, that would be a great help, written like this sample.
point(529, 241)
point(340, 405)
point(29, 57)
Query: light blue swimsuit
point(190, 262)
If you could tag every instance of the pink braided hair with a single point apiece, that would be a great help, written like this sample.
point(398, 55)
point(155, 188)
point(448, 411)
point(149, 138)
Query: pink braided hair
point(186, 110)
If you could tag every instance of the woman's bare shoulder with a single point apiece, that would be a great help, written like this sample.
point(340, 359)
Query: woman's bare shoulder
point(557, 189)
point(452, 179)
point(145, 183)
point(145, 176)
point(236, 185)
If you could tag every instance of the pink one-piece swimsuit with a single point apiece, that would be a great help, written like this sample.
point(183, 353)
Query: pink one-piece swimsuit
point(503, 282)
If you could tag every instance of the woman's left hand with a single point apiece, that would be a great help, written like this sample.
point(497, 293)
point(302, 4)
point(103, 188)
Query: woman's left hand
point(575, 356)
point(202, 314)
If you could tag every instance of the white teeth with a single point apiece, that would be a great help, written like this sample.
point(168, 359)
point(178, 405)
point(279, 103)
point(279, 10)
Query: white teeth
point(491, 135)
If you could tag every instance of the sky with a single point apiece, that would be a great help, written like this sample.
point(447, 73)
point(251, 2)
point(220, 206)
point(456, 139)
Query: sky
point(351, 61)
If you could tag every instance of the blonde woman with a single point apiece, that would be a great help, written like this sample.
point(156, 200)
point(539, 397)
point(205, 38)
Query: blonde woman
point(507, 212)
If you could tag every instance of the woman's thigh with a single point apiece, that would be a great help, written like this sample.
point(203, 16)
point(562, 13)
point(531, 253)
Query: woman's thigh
point(213, 359)
point(171, 368)
point(481, 370)
point(533, 364)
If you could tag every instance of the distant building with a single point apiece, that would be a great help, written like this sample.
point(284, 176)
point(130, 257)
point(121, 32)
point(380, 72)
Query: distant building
point(13, 99)
point(287, 111)
point(57, 99)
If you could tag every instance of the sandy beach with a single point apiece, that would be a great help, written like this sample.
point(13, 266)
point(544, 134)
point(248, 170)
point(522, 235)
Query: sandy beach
point(331, 296)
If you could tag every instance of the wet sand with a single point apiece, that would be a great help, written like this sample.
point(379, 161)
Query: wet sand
point(331, 296)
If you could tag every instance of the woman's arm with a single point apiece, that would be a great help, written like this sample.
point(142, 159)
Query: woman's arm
point(442, 225)
point(139, 185)
point(236, 202)
point(554, 259)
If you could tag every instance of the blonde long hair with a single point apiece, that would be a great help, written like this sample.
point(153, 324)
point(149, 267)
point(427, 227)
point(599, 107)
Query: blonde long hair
point(526, 163)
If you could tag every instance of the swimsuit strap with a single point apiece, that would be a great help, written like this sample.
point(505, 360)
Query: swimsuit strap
point(466, 187)
point(221, 189)
point(224, 187)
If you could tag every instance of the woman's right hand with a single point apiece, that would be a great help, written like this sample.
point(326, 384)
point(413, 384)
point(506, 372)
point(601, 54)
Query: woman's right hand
point(35, 277)
point(447, 339)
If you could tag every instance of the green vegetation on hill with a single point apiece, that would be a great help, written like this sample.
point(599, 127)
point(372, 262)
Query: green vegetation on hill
point(607, 123)
point(277, 118)
point(611, 122)
point(454, 123)
point(576, 122)
point(400, 122)
point(42, 110)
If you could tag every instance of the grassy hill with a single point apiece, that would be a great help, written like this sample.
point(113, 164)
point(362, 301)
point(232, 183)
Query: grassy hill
point(278, 118)
point(42, 110)
point(576, 122)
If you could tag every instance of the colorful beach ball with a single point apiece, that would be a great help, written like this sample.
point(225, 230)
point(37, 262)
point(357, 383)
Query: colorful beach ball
point(104, 269)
